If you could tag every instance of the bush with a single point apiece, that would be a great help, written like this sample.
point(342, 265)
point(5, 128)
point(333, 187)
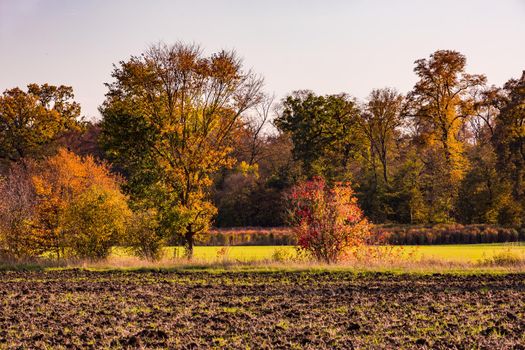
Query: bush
point(284, 255)
point(504, 258)
point(63, 184)
point(249, 236)
point(450, 234)
point(94, 222)
point(143, 235)
point(327, 221)
point(17, 201)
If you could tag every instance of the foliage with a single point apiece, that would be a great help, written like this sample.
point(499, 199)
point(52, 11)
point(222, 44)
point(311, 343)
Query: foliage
point(30, 122)
point(143, 235)
point(170, 117)
point(250, 236)
point(17, 202)
point(94, 221)
point(327, 221)
point(324, 130)
point(441, 104)
point(60, 182)
point(450, 234)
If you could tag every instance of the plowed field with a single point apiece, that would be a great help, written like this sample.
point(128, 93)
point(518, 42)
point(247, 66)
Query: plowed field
point(260, 310)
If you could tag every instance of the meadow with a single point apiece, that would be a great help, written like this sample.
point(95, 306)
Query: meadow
point(460, 253)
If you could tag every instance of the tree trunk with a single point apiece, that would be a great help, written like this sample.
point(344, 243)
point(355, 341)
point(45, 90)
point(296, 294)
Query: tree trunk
point(189, 244)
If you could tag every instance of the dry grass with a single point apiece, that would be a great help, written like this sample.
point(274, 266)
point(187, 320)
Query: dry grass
point(421, 266)
point(398, 259)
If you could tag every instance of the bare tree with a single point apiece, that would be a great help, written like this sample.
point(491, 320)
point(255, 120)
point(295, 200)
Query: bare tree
point(256, 125)
point(17, 203)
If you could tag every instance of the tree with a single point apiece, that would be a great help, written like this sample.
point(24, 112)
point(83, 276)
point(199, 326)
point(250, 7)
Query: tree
point(170, 118)
point(324, 130)
point(439, 100)
point(94, 222)
point(252, 140)
point(327, 221)
point(440, 105)
point(30, 122)
point(380, 123)
point(59, 181)
point(17, 200)
point(143, 236)
point(509, 140)
point(487, 105)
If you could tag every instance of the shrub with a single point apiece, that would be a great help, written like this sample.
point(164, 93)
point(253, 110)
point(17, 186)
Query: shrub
point(504, 258)
point(281, 254)
point(94, 222)
point(327, 221)
point(17, 202)
point(143, 236)
point(64, 183)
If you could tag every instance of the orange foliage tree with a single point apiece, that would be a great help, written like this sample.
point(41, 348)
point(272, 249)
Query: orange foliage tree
point(327, 220)
point(60, 182)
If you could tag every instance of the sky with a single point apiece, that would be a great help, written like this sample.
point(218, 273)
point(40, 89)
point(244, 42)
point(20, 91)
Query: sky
point(328, 46)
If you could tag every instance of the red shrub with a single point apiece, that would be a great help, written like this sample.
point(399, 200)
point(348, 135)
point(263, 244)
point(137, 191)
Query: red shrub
point(327, 221)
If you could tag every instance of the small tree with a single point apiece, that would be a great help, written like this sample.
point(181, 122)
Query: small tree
point(17, 200)
point(95, 221)
point(58, 182)
point(143, 235)
point(327, 220)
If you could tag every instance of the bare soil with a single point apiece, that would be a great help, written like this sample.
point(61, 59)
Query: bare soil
point(73, 309)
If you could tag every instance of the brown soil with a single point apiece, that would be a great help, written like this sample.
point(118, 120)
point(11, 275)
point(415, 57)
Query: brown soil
point(254, 310)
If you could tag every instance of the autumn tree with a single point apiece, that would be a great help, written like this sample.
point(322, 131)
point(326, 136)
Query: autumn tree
point(60, 183)
point(440, 105)
point(381, 122)
point(17, 201)
point(169, 120)
point(324, 130)
point(94, 221)
point(440, 101)
point(31, 121)
point(327, 220)
point(509, 143)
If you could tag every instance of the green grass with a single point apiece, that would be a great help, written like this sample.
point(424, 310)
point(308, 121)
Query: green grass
point(456, 253)
point(467, 252)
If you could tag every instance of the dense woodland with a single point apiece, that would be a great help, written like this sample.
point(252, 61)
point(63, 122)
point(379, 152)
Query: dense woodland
point(188, 141)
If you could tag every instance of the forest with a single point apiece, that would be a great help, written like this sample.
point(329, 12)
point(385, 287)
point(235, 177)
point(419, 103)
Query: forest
point(189, 141)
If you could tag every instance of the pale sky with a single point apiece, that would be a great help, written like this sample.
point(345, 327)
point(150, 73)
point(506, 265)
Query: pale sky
point(328, 46)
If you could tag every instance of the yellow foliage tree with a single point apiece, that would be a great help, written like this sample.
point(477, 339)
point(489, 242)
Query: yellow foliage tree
point(169, 121)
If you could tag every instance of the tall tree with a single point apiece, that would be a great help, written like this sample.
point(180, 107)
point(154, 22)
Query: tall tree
point(324, 130)
point(380, 122)
point(31, 121)
point(170, 117)
point(509, 139)
point(440, 101)
point(440, 105)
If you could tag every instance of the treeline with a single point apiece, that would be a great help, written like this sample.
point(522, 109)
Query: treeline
point(450, 151)
point(381, 234)
point(196, 142)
